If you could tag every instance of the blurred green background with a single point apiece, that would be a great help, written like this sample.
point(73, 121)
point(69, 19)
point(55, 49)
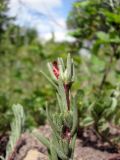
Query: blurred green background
point(95, 25)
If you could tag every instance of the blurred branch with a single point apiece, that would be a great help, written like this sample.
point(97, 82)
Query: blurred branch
point(108, 67)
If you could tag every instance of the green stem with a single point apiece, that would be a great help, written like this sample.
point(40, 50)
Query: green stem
point(67, 92)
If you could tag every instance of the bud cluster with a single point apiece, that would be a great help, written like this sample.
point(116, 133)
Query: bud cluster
point(58, 70)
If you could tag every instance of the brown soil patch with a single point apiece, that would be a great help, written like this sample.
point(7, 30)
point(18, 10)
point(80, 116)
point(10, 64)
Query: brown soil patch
point(86, 148)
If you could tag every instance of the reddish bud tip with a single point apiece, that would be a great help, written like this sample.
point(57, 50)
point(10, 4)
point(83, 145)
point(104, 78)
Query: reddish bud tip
point(56, 69)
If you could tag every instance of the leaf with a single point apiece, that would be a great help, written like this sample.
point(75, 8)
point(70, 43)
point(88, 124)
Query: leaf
point(60, 103)
point(114, 104)
point(56, 142)
point(62, 63)
point(49, 79)
point(82, 3)
point(73, 73)
point(103, 36)
point(75, 118)
point(112, 17)
point(66, 147)
point(51, 122)
point(53, 151)
point(61, 154)
point(61, 92)
point(87, 121)
point(41, 138)
point(69, 67)
point(61, 67)
point(51, 71)
point(72, 145)
point(16, 128)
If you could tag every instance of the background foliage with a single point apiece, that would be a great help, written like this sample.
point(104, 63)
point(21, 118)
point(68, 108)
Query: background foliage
point(96, 52)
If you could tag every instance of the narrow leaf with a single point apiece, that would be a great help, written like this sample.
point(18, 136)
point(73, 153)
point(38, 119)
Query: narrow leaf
point(75, 118)
point(49, 79)
point(41, 138)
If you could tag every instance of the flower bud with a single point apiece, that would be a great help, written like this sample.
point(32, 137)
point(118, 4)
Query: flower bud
point(56, 69)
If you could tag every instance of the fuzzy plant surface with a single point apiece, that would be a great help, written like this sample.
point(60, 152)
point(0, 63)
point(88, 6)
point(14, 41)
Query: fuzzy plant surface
point(63, 122)
point(17, 127)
